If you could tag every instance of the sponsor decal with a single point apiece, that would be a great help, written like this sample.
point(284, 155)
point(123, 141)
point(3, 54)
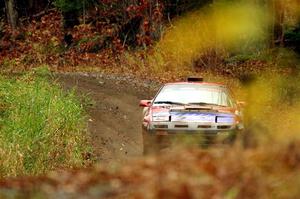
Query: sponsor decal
point(201, 117)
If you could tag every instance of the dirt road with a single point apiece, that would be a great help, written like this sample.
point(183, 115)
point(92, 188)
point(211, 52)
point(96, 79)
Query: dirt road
point(115, 116)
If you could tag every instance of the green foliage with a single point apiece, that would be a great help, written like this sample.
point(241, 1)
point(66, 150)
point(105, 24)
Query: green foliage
point(286, 58)
point(240, 58)
point(41, 126)
point(293, 34)
point(179, 7)
point(72, 5)
point(292, 37)
point(68, 5)
point(7, 64)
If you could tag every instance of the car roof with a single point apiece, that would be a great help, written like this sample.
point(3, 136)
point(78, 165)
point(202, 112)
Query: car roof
point(197, 83)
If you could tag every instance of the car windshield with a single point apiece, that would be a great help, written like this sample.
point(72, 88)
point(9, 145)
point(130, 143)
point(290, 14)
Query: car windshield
point(179, 94)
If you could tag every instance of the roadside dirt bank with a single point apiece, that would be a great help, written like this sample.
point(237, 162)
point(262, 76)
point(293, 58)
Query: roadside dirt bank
point(114, 120)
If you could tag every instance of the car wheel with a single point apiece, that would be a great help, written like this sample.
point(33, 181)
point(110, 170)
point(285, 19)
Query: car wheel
point(232, 138)
point(252, 133)
point(146, 143)
point(146, 146)
point(150, 143)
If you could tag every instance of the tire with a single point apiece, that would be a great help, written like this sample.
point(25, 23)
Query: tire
point(251, 134)
point(249, 139)
point(146, 149)
point(150, 144)
point(233, 138)
point(146, 142)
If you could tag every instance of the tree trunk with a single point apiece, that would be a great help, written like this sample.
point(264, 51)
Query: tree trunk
point(278, 12)
point(279, 23)
point(11, 13)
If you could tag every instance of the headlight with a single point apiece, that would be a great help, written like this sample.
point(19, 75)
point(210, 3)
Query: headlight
point(160, 118)
point(224, 119)
point(240, 126)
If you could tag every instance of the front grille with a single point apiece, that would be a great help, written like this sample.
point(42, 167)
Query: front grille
point(204, 126)
point(181, 126)
point(224, 127)
point(161, 126)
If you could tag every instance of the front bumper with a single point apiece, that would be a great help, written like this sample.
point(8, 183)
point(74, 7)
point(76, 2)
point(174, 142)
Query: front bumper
point(192, 126)
point(200, 133)
point(168, 137)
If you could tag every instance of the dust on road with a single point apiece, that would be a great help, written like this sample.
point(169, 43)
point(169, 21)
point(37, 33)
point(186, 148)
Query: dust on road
point(115, 117)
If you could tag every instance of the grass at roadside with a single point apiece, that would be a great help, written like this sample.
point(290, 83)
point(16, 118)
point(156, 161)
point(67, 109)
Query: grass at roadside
point(41, 127)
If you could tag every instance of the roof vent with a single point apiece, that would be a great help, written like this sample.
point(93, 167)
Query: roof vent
point(195, 79)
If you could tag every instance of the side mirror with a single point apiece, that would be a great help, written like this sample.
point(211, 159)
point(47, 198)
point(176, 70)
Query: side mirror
point(145, 103)
point(241, 104)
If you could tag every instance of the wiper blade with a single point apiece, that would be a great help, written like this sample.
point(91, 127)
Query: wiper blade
point(204, 104)
point(169, 102)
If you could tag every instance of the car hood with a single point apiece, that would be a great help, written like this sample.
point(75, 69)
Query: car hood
point(194, 108)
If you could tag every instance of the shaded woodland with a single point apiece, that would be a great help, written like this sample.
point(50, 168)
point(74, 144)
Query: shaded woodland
point(60, 31)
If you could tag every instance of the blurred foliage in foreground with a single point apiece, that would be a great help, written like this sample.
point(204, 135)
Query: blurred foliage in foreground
point(42, 128)
point(267, 172)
